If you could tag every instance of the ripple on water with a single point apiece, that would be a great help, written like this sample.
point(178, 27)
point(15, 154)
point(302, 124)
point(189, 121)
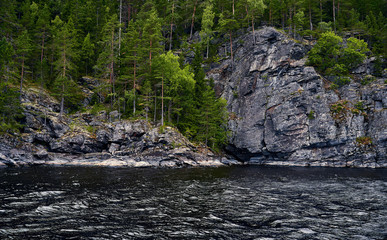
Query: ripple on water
point(224, 203)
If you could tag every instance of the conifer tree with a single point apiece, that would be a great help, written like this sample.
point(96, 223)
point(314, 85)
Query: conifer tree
point(256, 7)
point(151, 31)
point(131, 58)
point(227, 25)
point(42, 33)
point(213, 120)
point(87, 51)
point(172, 18)
point(23, 48)
point(108, 57)
point(10, 108)
point(207, 24)
point(66, 52)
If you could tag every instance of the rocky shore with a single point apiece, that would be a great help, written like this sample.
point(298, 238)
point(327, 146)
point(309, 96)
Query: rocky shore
point(96, 140)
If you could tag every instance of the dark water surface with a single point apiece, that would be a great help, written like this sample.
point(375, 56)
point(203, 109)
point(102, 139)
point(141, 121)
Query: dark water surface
point(205, 203)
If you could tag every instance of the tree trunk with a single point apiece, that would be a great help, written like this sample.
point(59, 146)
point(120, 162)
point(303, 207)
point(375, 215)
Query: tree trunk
point(170, 111)
point(63, 84)
point(232, 58)
point(310, 17)
point(162, 101)
point(270, 23)
point(150, 56)
point(334, 15)
point(62, 102)
point(112, 98)
point(134, 85)
point(193, 20)
point(155, 113)
point(252, 26)
point(129, 13)
point(290, 20)
point(233, 8)
point(294, 24)
point(207, 123)
point(21, 79)
point(338, 10)
point(41, 67)
point(170, 35)
point(119, 31)
point(208, 45)
point(247, 16)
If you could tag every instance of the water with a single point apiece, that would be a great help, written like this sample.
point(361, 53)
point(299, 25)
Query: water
point(211, 203)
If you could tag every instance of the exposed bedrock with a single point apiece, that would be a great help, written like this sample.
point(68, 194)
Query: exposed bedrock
point(282, 112)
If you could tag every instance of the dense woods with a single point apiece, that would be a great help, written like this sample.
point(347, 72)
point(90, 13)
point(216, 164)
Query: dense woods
point(147, 56)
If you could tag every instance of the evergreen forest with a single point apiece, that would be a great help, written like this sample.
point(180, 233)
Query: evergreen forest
point(147, 58)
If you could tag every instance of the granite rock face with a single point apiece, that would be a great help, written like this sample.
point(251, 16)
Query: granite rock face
point(88, 140)
point(283, 112)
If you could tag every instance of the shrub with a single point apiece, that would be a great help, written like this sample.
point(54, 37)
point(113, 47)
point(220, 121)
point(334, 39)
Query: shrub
point(364, 141)
point(311, 115)
point(331, 56)
point(367, 79)
point(339, 110)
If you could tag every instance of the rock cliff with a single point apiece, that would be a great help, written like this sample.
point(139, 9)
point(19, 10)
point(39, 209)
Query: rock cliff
point(101, 140)
point(283, 112)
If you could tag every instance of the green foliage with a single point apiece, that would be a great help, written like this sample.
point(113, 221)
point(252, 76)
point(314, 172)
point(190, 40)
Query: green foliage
point(364, 141)
point(324, 27)
point(177, 83)
point(311, 115)
point(87, 52)
point(354, 53)
point(325, 53)
point(207, 23)
point(10, 109)
point(332, 57)
point(97, 108)
point(340, 110)
point(359, 106)
point(65, 44)
point(367, 79)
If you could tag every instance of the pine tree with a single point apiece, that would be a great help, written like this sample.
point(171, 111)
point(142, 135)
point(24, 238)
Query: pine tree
point(213, 120)
point(151, 31)
point(131, 58)
point(207, 24)
point(23, 48)
point(172, 18)
point(256, 7)
point(10, 108)
point(108, 57)
point(87, 51)
point(67, 55)
point(227, 25)
point(42, 33)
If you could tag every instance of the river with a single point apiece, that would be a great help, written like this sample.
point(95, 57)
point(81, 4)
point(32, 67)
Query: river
point(199, 203)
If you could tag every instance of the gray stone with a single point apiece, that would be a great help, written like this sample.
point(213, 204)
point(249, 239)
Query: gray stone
point(282, 112)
